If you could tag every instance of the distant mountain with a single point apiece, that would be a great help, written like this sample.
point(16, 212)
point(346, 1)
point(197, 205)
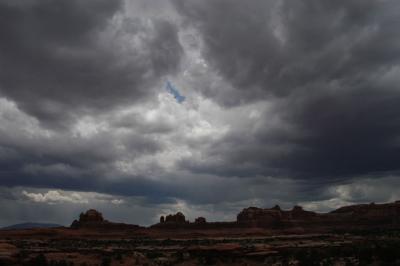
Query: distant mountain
point(31, 225)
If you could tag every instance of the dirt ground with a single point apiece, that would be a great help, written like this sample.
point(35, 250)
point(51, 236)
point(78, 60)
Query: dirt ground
point(64, 246)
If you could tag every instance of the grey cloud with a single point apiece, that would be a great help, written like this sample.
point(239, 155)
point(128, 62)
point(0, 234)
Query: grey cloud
point(61, 57)
point(275, 48)
point(158, 126)
point(33, 156)
point(287, 102)
point(328, 69)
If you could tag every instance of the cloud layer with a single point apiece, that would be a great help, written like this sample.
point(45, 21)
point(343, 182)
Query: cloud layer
point(67, 56)
point(290, 102)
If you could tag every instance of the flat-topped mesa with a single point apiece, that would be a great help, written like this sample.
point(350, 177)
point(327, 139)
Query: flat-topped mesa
point(257, 217)
point(273, 217)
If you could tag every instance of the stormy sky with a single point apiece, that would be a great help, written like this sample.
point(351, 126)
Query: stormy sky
point(141, 108)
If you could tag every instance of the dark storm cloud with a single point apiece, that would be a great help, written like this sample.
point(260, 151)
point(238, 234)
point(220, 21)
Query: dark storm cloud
point(296, 99)
point(329, 67)
point(60, 57)
point(84, 166)
point(278, 47)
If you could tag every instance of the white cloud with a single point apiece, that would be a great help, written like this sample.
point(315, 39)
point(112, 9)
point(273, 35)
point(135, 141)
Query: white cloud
point(117, 201)
point(61, 196)
point(325, 205)
point(55, 196)
point(362, 190)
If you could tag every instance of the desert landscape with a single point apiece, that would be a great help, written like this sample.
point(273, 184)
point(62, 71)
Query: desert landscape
point(367, 234)
point(199, 132)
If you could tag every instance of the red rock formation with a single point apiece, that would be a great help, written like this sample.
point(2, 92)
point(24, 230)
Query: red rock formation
point(274, 217)
point(91, 216)
point(173, 221)
point(177, 218)
point(94, 219)
point(257, 217)
point(200, 220)
point(355, 216)
point(368, 214)
point(299, 213)
point(363, 216)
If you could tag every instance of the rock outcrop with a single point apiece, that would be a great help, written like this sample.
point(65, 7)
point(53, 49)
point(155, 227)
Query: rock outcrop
point(355, 217)
point(200, 220)
point(257, 217)
point(273, 217)
point(177, 218)
point(363, 215)
point(91, 216)
point(172, 221)
point(299, 213)
point(93, 219)
point(178, 221)
point(368, 214)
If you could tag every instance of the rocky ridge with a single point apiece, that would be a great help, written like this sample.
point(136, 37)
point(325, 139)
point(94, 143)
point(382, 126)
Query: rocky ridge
point(355, 216)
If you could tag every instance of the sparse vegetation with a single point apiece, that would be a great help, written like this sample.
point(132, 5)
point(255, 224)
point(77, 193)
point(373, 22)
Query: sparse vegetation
point(298, 250)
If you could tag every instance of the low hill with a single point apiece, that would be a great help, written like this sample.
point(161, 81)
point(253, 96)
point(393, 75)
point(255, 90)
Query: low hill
point(31, 226)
